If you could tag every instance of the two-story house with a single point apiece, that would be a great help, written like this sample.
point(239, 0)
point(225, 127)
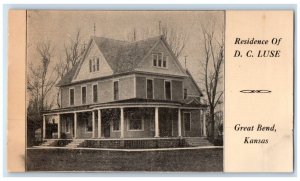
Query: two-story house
point(125, 90)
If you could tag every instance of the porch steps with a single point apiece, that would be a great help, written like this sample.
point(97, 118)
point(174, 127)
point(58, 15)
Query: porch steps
point(48, 143)
point(75, 143)
point(198, 141)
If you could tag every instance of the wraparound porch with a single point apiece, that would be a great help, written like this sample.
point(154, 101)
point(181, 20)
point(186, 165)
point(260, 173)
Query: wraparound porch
point(121, 122)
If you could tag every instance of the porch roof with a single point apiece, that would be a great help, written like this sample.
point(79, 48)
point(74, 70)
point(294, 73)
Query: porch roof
point(128, 103)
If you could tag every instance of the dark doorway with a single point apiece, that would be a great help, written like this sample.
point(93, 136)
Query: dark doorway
point(165, 122)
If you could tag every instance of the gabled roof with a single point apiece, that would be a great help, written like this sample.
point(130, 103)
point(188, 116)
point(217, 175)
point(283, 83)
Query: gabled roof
point(121, 56)
point(124, 56)
point(69, 76)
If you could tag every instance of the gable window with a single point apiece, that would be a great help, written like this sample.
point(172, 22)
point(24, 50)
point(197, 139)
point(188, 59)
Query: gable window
point(116, 90)
point(165, 61)
point(160, 57)
point(154, 58)
point(187, 121)
point(168, 90)
point(159, 60)
point(149, 89)
point(83, 95)
point(94, 64)
point(184, 93)
point(97, 64)
point(95, 93)
point(135, 121)
point(71, 96)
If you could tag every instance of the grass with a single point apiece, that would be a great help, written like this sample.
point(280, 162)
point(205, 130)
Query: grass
point(199, 160)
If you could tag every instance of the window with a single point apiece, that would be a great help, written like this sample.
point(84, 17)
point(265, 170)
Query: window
point(160, 57)
point(71, 96)
point(154, 57)
point(94, 64)
point(149, 89)
point(165, 61)
point(168, 90)
point(135, 121)
point(187, 121)
point(184, 93)
point(95, 93)
point(116, 90)
point(83, 95)
point(159, 60)
point(98, 64)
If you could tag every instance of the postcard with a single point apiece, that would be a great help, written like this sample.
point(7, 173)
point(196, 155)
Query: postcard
point(155, 91)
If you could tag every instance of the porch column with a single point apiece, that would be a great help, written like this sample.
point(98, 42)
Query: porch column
point(75, 124)
point(58, 127)
point(156, 123)
point(179, 123)
point(122, 122)
point(44, 126)
point(93, 122)
point(204, 122)
point(99, 123)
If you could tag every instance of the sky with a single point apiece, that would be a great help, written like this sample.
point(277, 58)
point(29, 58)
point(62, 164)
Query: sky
point(59, 26)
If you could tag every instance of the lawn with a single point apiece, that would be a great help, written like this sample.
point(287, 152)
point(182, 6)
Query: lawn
point(210, 159)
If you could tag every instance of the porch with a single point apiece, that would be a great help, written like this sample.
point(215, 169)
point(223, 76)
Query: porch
point(125, 122)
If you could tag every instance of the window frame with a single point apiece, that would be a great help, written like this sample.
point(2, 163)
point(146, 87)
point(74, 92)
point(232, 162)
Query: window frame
point(71, 88)
point(129, 122)
point(163, 59)
point(190, 120)
point(147, 88)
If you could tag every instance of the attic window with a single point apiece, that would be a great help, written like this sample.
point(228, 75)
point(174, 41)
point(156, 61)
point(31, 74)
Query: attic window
point(159, 60)
point(94, 64)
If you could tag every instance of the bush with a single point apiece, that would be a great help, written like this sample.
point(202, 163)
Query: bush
point(218, 141)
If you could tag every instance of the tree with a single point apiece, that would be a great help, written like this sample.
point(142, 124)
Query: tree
point(40, 82)
point(175, 39)
point(212, 67)
point(73, 50)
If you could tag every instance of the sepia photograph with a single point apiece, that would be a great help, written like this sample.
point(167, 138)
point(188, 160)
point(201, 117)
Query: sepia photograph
point(124, 90)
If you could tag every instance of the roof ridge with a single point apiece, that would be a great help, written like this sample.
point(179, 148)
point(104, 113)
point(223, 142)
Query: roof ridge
point(128, 43)
point(123, 41)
